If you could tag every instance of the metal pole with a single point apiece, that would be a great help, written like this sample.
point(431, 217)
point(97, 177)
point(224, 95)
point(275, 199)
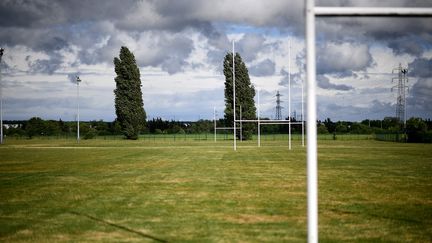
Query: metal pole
point(234, 99)
point(214, 119)
point(289, 95)
point(241, 125)
point(312, 170)
point(302, 112)
point(1, 99)
point(259, 123)
point(78, 80)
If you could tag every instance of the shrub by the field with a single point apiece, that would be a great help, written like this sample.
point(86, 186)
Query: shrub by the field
point(91, 133)
point(416, 130)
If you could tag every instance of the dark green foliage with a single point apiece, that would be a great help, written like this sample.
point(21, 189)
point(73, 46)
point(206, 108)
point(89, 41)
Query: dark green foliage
point(341, 128)
point(34, 127)
point(91, 133)
point(331, 126)
point(129, 104)
point(245, 93)
point(416, 130)
point(322, 129)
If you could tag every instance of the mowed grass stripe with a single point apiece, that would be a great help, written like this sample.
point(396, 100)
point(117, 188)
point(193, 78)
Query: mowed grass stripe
point(369, 191)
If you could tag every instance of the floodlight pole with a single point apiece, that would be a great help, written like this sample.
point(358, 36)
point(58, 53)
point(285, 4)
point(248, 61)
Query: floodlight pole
point(234, 98)
point(289, 95)
point(1, 99)
point(78, 80)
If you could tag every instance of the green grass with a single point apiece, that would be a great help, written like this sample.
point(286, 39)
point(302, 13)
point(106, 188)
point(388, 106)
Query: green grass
point(116, 190)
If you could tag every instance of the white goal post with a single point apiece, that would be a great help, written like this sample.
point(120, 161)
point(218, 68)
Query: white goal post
point(310, 13)
point(264, 122)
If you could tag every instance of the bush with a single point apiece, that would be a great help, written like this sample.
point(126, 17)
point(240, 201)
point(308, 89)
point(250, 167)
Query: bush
point(91, 133)
point(158, 131)
point(416, 130)
point(322, 129)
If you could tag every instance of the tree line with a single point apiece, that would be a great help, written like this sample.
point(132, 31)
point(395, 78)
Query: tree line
point(36, 127)
point(417, 129)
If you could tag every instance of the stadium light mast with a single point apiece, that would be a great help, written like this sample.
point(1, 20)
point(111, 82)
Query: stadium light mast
point(1, 100)
point(78, 80)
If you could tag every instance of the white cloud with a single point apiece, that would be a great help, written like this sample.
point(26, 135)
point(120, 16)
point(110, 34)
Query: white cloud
point(180, 46)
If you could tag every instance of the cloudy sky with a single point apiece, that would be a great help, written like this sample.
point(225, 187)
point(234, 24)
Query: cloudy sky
point(179, 46)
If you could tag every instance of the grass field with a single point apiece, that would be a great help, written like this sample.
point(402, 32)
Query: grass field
point(113, 190)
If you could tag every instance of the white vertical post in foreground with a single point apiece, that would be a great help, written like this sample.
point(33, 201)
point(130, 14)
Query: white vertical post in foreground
point(259, 122)
point(234, 99)
point(310, 12)
point(289, 95)
point(78, 80)
point(312, 170)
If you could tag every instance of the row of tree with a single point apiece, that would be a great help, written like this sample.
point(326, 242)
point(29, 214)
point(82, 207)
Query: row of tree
point(36, 126)
point(417, 129)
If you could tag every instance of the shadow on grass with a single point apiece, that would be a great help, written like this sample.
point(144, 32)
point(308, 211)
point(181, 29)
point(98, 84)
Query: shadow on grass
point(118, 226)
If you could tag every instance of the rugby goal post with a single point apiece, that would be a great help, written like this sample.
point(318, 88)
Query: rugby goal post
point(311, 11)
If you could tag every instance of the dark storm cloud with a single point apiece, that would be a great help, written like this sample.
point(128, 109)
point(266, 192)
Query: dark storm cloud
point(420, 67)
point(55, 25)
point(45, 14)
point(29, 13)
point(419, 100)
point(296, 78)
point(399, 34)
point(250, 45)
point(169, 51)
point(101, 54)
point(324, 83)
point(347, 112)
point(264, 68)
point(341, 59)
point(48, 66)
point(216, 38)
point(410, 45)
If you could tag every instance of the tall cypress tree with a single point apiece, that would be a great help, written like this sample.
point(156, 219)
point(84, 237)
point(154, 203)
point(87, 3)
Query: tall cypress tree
point(245, 93)
point(129, 104)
